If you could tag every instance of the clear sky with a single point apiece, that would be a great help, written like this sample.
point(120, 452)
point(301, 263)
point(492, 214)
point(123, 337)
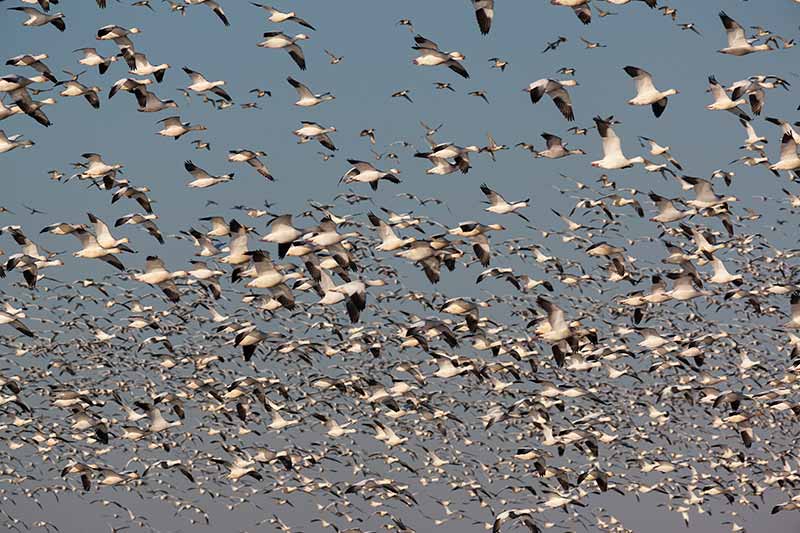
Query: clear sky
point(377, 62)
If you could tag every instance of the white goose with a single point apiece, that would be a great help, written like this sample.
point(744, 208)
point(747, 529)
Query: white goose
point(283, 233)
point(646, 92)
point(173, 127)
point(613, 158)
point(484, 13)
point(251, 158)
point(278, 17)
point(499, 205)
point(118, 34)
point(364, 172)
point(92, 59)
point(789, 159)
point(92, 249)
point(214, 6)
point(312, 130)
point(103, 234)
point(556, 148)
point(140, 66)
point(37, 18)
point(307, 98)
point(555, 90)
point(738, 43)
point(723, 102)
point(10, 143)
point(431, 56)
point(200, 84)
point(389, 239)
point(203, 179)
point(276, 39)
point(156, 273)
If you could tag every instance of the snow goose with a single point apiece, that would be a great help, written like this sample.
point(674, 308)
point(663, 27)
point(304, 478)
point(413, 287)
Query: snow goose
point(92, 59)
point(138, 194)
point(156, 273)
point(37, 18)
point(128, 85)
point(705, 197)
point(613, 158)
point(276, 39)
point(691, 26)
point(753, 139)
point(786, 127)
point(498, 204)
point(150, 102)
point(9, 143)
point(580, 7)
point(789, 159)
point(146, 221)
point(312, 130)
point(118, 34)
point(283, 233)
point(738, 43)
point(646, 92)
point(203, 179)
point(667, 212)
point(200, 84)
point(91, 249)
point(441, 167)
point(13, 321)
point(555, 148)
point(389, 239)
point(277, 16)
point(430, 56)
point(364, 172)
point(103, 235)
point(403, 93)
point(684, 287)
point(266, 275)
point(76, 88)
point(307, 98)
point(251, 158)
point(499, 63)
point(213, 6)
point(35, 62)
point(16, 86)
point(237, 247)
point(173, 127)
point(484, 14)
point(590, 45)
point(140, 66)
point(441, 152)
point(721, 274)
point(335, 60)
point(554, 90)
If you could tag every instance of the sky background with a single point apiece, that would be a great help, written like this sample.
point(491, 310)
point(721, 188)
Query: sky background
point(377, 62)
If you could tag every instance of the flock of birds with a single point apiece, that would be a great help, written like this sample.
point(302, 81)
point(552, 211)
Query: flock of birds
point(293, 363)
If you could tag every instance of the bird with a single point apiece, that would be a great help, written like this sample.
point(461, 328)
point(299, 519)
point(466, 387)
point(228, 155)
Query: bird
point(279, 17)
point(738, 44)
point(203, 179)
point(430, 56)
point(555, 90)
point(200, 84)
point(276, 39)
point(37, 18)
point(613, 158)
point(213, 6)
point(497, 204)
point(646, 92)
point(306, 97)
point(251, 158)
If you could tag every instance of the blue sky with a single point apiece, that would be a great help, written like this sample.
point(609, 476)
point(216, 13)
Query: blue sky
point(377, 62)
